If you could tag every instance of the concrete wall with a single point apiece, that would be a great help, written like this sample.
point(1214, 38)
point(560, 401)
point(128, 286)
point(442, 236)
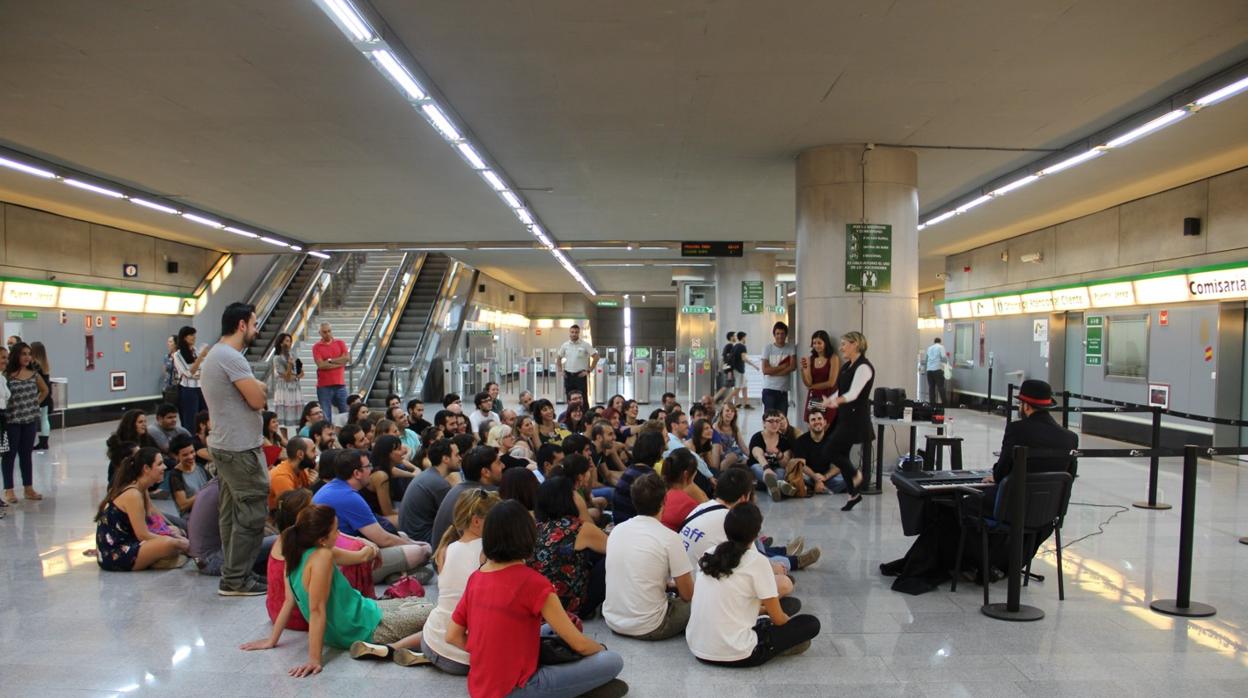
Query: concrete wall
point(246, 273)
point(1135, 237)
point(40, 245)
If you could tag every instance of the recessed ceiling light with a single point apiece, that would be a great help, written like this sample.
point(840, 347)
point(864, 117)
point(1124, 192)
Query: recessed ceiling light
point(203, 221)
point(154, 206)
point(94, 188)
point(28, 169)
point(350, 19)
point(400, 75)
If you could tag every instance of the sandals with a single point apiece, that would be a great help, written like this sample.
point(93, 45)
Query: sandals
point(31, 495)
point(10, 497)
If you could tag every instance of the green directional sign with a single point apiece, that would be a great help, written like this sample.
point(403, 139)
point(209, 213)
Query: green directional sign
point(641, 352)
point(608, 304)
point(752, 297)
point(23, 315)
point(1094, 344)
point(695, 309)
point(868, 257)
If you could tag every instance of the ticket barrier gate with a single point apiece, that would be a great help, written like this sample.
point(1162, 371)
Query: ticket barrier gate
point(642, 374)
point(528, 376)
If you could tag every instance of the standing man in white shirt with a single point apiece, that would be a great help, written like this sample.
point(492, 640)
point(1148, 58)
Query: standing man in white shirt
point(576, 359)
point(779, 360)
point(935, 372)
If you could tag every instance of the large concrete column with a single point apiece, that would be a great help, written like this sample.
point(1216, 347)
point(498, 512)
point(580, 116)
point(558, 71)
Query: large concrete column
point(729, 273)
point(833, 184)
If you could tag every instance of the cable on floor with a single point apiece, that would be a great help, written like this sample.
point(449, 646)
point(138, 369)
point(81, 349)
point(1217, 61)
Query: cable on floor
point(1100, 528)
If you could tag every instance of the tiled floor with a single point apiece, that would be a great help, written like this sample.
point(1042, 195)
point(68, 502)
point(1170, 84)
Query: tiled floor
point(66, 628)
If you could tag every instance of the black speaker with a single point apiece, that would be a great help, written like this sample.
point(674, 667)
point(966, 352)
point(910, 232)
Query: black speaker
point(879, 403)
point(480, 288)
point(171, 267)
point(1191, 226)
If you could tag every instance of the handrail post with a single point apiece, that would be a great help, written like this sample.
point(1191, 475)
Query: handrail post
point(1065, 409)
point(1153, 467)
point(1013, 609)
point(1183, 605)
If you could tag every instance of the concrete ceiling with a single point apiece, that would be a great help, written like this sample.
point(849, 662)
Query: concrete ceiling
point(651, 120)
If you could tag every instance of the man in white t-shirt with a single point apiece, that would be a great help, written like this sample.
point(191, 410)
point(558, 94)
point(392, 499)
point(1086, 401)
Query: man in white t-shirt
point(703, 529)
point(642, 555)
point(483, 412)
point(576, 359)
point(779, 360)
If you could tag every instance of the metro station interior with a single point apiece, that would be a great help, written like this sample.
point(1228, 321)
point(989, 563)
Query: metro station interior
point(1009, 212)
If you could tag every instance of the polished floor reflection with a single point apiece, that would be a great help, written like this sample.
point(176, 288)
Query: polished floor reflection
point(66, 628)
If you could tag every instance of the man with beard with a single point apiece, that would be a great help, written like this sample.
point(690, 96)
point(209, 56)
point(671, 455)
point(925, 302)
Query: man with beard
point(298, 471)
point(810, 454)
point(235, 400)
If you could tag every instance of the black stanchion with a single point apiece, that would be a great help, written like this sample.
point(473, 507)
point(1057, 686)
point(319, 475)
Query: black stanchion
point(1153, 467)
point(1013, 609)
point(1065, 409)
point(867, 487)
point(989, 391)
point(1009, 403)
point(1183, 605)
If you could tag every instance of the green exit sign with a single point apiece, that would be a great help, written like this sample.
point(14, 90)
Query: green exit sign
point(608, 304)
point(695, 309)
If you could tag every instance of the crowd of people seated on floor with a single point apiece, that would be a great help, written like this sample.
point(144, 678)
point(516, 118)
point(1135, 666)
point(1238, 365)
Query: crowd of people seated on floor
point(650, 523)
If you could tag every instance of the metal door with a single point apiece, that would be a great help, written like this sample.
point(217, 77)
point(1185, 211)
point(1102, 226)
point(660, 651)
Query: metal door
point(1075, 350)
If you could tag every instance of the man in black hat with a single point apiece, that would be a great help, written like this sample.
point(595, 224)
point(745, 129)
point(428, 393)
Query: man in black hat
point(1035, 428)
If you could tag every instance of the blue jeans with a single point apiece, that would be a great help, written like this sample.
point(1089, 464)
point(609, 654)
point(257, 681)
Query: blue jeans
point(574, 678)
point(332, 397)
point(606, 492)
point(759, 471)
point(777, 400)
point(190, 403)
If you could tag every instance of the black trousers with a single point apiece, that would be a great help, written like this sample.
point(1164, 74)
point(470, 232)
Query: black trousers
point(571, 382)
point(774, 639)
point(936, 386)
point(840, 443)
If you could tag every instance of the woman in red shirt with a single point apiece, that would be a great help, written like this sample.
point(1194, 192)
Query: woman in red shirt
point(499, 618)
point(679, 469)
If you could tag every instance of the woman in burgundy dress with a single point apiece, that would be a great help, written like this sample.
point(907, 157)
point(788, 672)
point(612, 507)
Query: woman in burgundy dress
point(819, 374)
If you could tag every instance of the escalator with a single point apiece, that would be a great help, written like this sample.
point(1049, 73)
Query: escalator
point(271, 316)
point(413, 324)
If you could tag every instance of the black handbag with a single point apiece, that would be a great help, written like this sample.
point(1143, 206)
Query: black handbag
point(553, 650)
point(170, 395)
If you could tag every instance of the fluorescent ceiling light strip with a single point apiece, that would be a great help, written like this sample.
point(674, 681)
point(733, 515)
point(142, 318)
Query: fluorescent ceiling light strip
point(941, 218)
point(524, 216)
point(921, 226)
point(296, 248)
point(470, 154)
point(1155, 125)
point(1071, 162)
point(204, 221)
point(399, 74)
point(94, 188)
point(494, 180)
point(511, 199)
point(1219, 95)
point(973, 203)
point(1016, 184)
point(238, 231)
point(28, 169)
point(350, 19)
point(441, 122)
point(154, 206)
point(273, 241)
point(319, 255)
point(765, 249)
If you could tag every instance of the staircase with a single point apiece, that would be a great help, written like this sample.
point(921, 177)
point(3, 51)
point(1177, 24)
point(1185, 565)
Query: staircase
point(345, 319)
point(412, 325)
point(283, 309)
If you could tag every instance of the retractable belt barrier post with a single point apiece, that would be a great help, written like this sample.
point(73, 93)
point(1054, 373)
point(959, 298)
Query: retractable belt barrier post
point(1153, 466)
point(1183, 605)
point(1009, 402)
point(1013, 609)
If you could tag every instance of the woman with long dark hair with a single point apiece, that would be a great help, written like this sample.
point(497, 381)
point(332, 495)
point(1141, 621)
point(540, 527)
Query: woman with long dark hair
point(311, 414)
point(385, 489)
point(549, 431)
point(733, 580)
point(285, 373)
point(131, 534)
point(570, 550)
point(338, 615)
point(853, 420)
point(186, 361)
point(574, 420)
point(679, 468)
point(43, 366)
point(21, 419)
point(819, 374)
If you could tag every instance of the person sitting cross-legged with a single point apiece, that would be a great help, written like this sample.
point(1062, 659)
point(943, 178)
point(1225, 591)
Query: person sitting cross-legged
point(733, 579)
point(642, 555)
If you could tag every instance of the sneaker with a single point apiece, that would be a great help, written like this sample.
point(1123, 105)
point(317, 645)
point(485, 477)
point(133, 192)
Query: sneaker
point(252, 587)
point(808, 558)
point(406, 657)
point(773, 485)
point(615, 688)
point(370, 650)
point(795, 546)
point(787, 490)
point(796, 649)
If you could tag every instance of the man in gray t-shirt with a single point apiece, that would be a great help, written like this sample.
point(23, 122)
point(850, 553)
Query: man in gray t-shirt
point(235, 399)
point(779, 360)
point(425, 494)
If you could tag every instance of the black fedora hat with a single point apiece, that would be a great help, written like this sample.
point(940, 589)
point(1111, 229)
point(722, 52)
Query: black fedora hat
point(1036, 393)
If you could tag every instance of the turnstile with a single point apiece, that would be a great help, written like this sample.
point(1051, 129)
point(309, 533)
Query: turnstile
point(642, 373)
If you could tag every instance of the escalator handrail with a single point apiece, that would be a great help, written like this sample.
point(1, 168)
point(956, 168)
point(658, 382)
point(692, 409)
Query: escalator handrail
point(273, 285)
point(397, 299)
point(309, 300)
point(444, 299)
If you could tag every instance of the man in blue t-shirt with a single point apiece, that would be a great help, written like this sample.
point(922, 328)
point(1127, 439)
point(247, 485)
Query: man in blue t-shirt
point(398, 552)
